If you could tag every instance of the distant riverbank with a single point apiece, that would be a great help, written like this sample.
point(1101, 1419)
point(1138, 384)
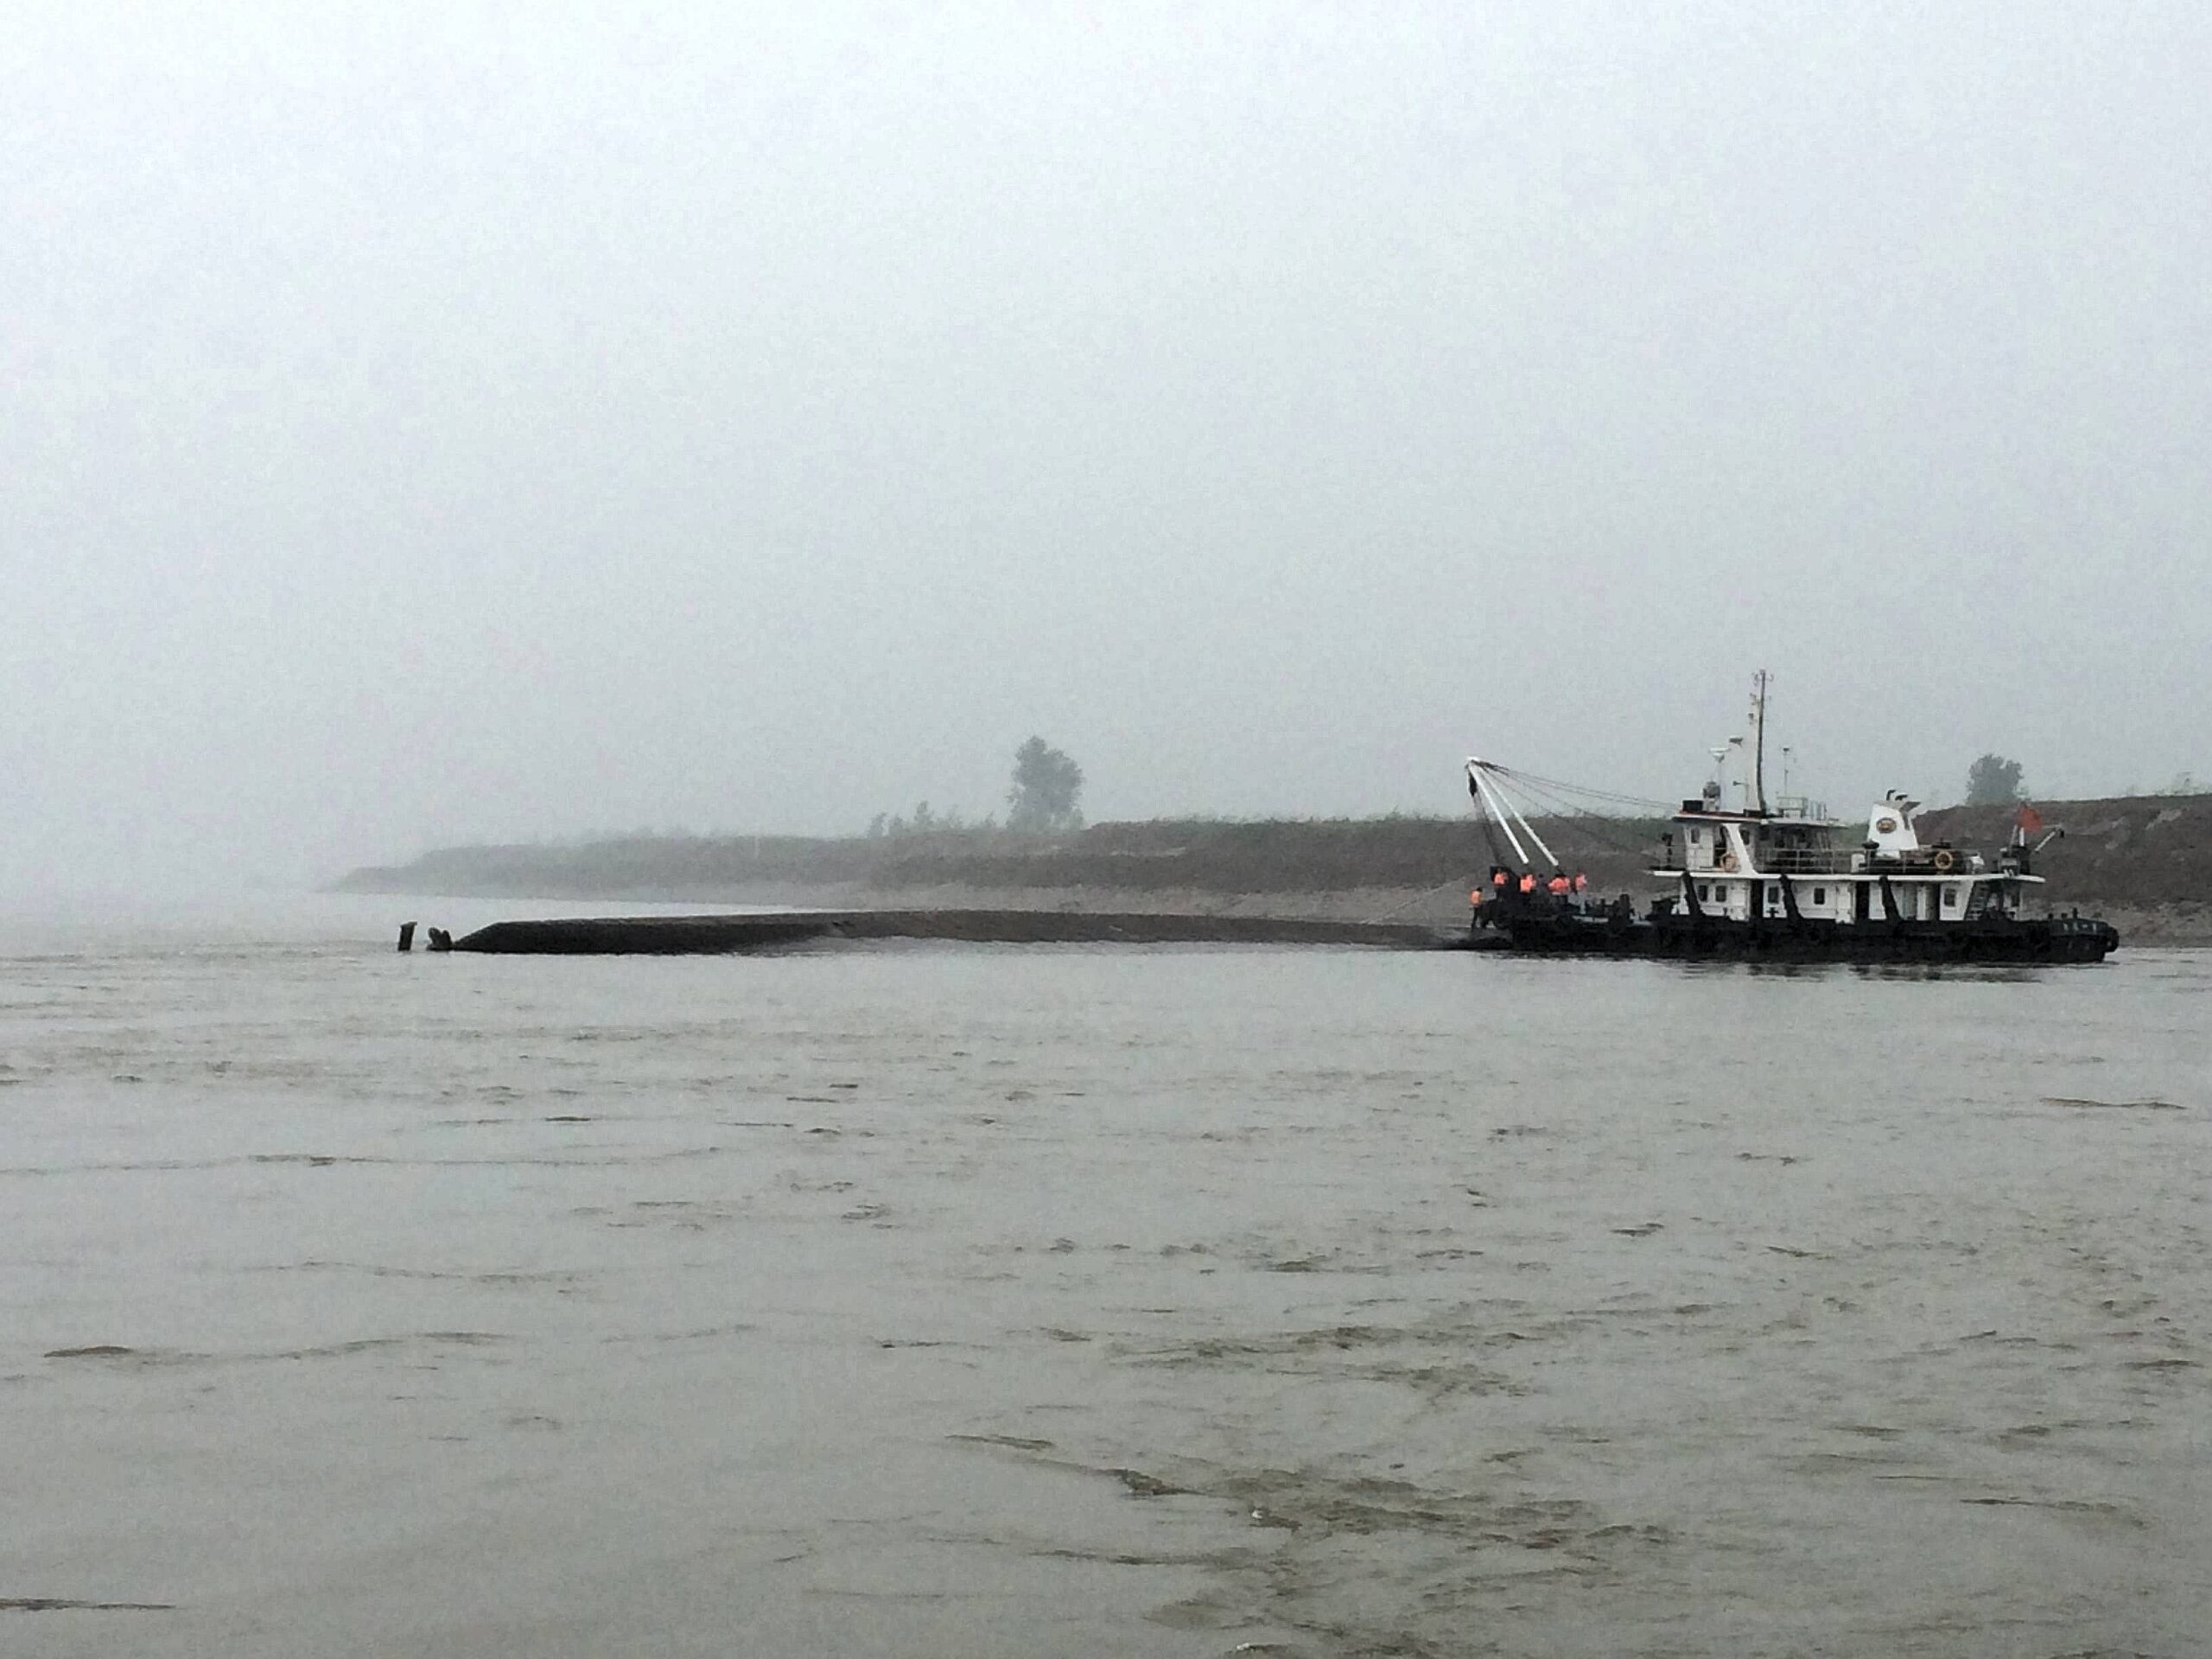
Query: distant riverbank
point(2144, 862)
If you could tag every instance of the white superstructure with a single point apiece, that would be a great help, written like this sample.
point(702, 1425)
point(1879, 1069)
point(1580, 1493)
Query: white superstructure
point(1744, 876)
point(1787, 864)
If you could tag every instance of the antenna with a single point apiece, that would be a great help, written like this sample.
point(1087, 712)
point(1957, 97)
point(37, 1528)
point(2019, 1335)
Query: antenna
point(1758, 741)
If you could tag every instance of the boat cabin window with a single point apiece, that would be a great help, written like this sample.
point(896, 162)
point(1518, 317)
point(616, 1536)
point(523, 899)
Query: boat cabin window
point(1950, 898)
point(1704, 893)
point(1696, 835)
point(1819, 895)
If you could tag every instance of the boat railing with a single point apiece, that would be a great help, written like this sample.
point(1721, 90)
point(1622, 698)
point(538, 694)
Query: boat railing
point(1795, 860)
point(1833, 860)
point(1809, 861)
point(1800, 806)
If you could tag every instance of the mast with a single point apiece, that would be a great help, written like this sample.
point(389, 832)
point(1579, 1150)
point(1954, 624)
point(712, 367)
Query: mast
point(1758, 741)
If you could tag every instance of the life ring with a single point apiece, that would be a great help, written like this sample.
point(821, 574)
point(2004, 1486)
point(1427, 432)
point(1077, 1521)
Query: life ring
point(1944, 861)
point(1727, 861)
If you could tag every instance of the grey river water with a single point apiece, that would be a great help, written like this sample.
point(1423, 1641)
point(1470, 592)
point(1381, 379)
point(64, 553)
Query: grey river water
point(1017, 1301)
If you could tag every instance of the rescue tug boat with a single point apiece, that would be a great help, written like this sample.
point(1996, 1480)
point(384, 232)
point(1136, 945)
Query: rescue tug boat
point(1776, 882)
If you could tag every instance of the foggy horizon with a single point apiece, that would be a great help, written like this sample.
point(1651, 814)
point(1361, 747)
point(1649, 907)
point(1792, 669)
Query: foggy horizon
point(421, 428)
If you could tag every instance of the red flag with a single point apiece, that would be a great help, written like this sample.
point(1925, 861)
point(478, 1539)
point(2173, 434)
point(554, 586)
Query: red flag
point(2029, 819)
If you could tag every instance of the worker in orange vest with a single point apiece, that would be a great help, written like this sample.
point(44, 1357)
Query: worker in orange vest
point(1528, 881)
point(1559, 886)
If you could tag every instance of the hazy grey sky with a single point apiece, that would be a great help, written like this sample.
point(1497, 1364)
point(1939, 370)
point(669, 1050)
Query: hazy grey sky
point(444, 422)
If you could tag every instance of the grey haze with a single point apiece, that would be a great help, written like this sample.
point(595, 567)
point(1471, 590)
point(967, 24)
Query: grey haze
point(424, 423)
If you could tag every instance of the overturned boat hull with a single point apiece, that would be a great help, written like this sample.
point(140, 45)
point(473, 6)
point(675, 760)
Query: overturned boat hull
point(783, 930)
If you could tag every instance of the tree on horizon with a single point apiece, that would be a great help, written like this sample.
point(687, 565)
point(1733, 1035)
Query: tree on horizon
point(1048, 787)
point(1993, 780)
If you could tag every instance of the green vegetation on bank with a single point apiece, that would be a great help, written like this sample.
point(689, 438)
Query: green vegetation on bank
point(1993, 780)
point(1270, 855)
point(1045, 799)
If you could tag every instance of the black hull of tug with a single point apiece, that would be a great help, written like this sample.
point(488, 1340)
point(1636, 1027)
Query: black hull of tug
point(1569, 933)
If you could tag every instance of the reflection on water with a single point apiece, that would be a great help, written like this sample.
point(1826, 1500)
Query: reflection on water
point(2001, 973)
point(1180, 1301)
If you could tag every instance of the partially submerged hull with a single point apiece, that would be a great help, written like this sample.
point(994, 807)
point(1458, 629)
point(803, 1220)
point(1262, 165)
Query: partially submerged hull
point(734, 935)
point(1567, 931)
